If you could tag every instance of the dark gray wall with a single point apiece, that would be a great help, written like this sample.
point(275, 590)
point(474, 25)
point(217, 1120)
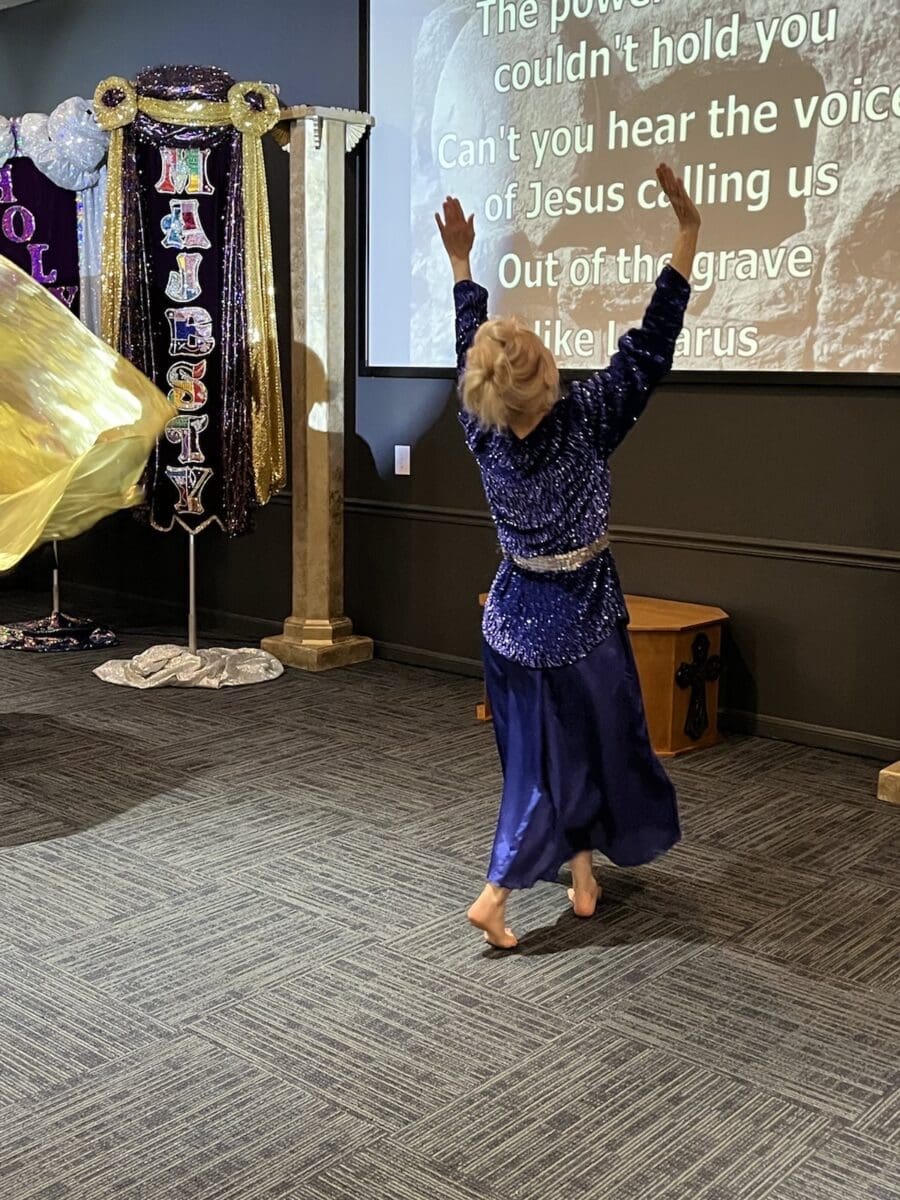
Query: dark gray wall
point(777, 503)
point(52, 49)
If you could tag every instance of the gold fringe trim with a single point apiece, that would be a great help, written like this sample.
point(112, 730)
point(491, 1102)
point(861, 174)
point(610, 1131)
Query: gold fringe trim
point(269, 465)
point(113, 267)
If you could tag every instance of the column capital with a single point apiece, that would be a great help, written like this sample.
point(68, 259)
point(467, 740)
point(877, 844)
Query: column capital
point(357, 124)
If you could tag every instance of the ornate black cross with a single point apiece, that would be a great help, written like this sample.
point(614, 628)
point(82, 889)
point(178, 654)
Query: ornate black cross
point(704, 668)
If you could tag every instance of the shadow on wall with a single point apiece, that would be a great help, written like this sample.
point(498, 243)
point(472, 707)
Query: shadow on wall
point(738, 688)
point(397, 412)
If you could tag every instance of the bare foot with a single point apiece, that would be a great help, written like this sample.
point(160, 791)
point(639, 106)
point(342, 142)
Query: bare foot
point(585, 899)
point(488, 913)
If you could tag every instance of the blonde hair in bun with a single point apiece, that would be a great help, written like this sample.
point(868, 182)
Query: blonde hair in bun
point(509, 373)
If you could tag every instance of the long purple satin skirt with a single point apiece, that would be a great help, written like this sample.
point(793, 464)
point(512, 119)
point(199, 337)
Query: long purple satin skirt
point(579, 772)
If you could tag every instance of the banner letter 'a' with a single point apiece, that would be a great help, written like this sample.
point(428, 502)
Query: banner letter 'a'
point(183, 228)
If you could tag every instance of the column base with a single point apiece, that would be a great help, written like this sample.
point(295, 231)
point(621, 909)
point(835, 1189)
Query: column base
point(889, 784)
point(319, 656)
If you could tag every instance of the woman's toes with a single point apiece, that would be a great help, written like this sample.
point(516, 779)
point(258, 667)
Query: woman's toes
point(506, 941)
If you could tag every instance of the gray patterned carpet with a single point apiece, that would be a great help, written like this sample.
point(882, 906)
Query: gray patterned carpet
point(233, 964)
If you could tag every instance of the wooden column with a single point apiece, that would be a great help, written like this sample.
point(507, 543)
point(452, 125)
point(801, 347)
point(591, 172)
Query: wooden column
point(317, 635)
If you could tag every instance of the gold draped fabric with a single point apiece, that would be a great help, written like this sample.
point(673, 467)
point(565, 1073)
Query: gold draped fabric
point(77, 421)
point(269, 461)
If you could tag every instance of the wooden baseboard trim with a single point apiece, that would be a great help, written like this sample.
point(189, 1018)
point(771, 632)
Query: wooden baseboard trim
point(414, 656)
point(823, 737)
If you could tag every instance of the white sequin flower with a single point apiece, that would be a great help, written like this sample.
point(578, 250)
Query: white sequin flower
point(68, 146)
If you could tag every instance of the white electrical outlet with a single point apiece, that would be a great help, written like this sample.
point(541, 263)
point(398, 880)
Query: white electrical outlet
point(401, 460)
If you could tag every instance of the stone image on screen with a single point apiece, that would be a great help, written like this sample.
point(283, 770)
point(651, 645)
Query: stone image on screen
point(837, 319)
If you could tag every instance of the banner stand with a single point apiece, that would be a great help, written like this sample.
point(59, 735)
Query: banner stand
point(192, 593)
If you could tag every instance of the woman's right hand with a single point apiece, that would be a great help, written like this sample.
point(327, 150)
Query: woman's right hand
point(458, 236)
point(682, 258)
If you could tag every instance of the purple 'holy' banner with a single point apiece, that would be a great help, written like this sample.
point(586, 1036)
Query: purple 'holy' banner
point(39, 229)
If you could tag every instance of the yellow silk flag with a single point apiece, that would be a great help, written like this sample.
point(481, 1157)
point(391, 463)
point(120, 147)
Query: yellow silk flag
point(77, 421)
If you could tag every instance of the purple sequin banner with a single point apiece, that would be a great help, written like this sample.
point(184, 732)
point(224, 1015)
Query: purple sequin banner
point(183, 316)
point(39, 229)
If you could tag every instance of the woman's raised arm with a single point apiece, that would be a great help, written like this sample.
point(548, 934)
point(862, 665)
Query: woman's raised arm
point(458, 236)
point(620, 393)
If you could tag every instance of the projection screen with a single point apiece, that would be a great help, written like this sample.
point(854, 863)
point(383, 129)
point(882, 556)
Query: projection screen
point(547, 117)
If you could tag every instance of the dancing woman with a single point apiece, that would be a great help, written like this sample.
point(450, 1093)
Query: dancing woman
point(579, 773)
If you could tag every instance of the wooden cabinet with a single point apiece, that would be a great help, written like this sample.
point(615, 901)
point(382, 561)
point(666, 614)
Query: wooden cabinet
point(677, 647)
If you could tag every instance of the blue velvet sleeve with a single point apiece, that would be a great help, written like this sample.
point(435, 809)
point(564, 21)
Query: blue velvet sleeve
point(471, 301)
point(617, 396)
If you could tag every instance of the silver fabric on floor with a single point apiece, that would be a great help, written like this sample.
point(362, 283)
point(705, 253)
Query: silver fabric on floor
point(176, 666)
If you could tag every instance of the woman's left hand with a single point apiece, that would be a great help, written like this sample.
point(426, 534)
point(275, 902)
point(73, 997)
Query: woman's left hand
point(457, 230)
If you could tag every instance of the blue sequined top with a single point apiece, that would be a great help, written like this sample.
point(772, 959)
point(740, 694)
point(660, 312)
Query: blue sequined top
point(549, 492)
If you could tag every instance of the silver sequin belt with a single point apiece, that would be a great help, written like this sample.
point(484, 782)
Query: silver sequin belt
point(570, 561)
